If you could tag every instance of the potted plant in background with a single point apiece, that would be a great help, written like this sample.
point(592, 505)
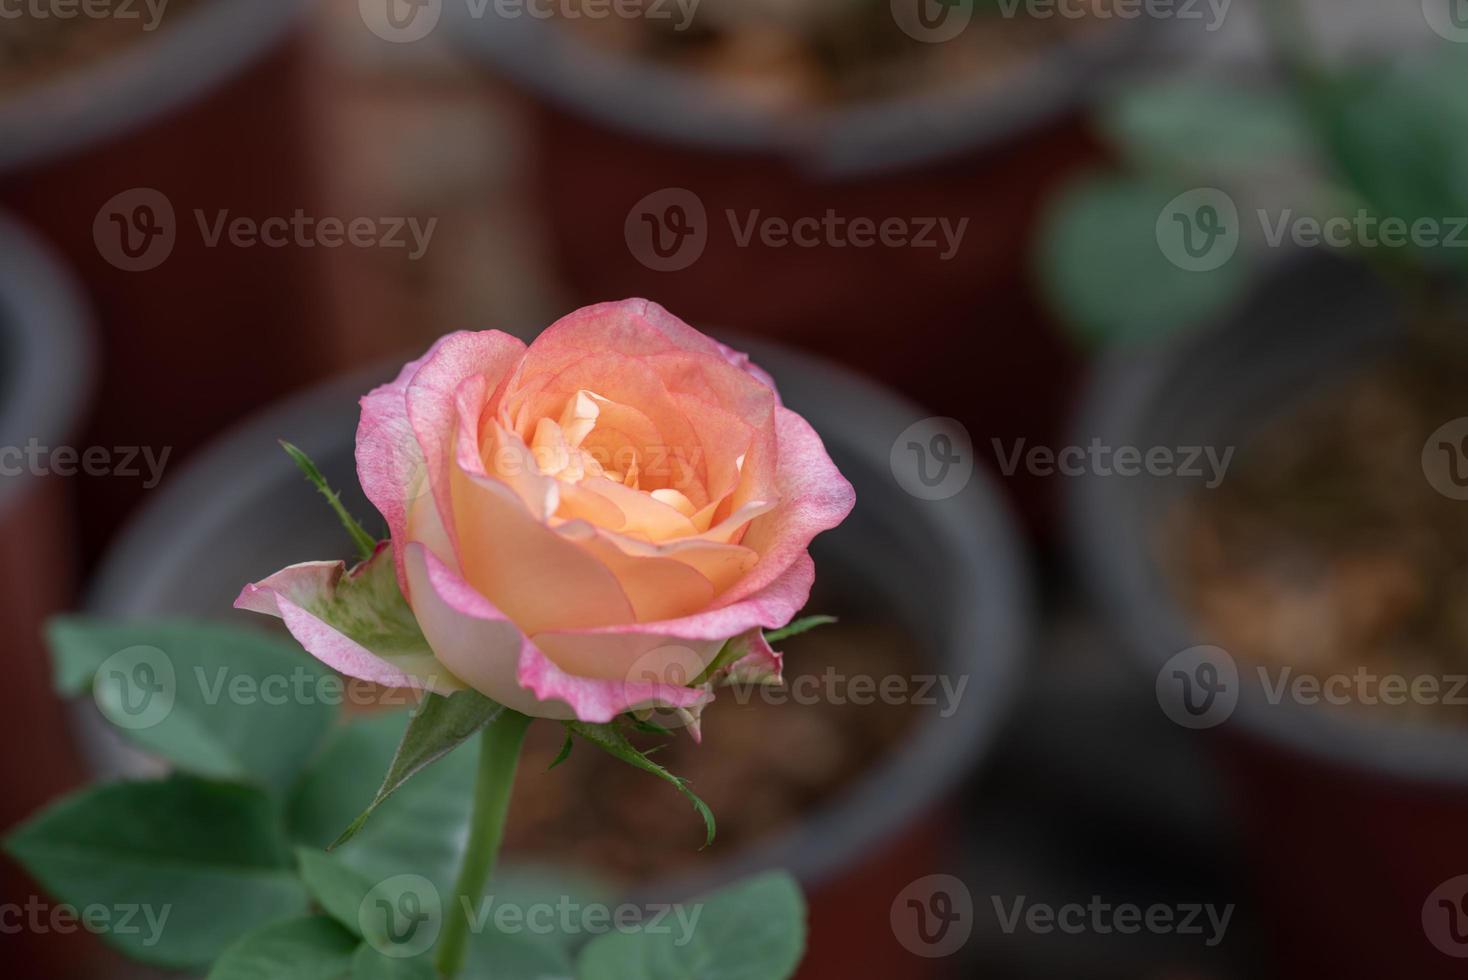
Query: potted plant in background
point(45, 370)
point(863, 814)
point(676, 152)
point(1285, 606)
point(119, 125)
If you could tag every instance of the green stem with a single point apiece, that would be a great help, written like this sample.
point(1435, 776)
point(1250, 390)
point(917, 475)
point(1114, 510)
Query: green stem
point(499, 755)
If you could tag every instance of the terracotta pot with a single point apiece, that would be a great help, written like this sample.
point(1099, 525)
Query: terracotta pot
point(207, 114)
point(46, 363)
point(1353, 825)
point(950, 572)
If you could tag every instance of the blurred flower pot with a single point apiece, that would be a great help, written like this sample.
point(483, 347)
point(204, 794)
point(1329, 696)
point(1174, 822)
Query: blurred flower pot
point(126, 161)
point(45, 377)
point(892, 236)
point(1354, 817)
point(946, 574)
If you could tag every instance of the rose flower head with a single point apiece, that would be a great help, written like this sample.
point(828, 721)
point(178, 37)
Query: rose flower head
point(603, 521)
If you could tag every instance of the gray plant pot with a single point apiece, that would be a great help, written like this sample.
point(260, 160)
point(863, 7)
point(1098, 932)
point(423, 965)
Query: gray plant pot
point(183, 62)
point(1352, 819)
point(46, 361)
point(1315, 320)
point(682, 107)
point(45, 379)
point(952, 570)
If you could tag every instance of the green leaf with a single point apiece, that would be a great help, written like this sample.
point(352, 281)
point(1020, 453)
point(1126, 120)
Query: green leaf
point(440, 725)
point(366, 543)
point(803, 625)
point(1104, 273)
point(421, 829)
point(215, 700)
point(313, 948)
point(512, 956)
point(564, 753)
point(1201, 130)
point(610, 739)
point(753, 930)
point(206, 859)
point(1399, 138)
point(369, 964)
point(337, 888)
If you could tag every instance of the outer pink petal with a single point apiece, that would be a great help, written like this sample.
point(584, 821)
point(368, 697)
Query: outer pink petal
point(432, 405)
point(640, 329)
point(286, 594)
point(389, 462)
point(679, 334)
point(814, 497)
point(758, 663)
point(469, 633)
point(772, 607)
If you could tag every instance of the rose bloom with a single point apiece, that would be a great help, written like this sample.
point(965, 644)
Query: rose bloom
point(578, 526)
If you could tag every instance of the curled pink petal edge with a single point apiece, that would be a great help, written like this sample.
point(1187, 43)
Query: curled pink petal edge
point(271, 596)
point(591, 700)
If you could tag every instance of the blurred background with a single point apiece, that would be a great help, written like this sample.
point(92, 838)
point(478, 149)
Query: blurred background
point(1163, 526)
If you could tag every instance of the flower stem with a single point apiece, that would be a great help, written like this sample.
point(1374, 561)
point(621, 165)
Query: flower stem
point(499, 755)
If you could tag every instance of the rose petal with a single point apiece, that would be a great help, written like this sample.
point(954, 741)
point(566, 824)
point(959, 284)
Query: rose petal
point(814, 497)
point(720, 562)
point(657, 587)
point(525, 568)
point(469, 635)
point(358, 624)
point(756, 661)
point(433, 406)
point(468, 631)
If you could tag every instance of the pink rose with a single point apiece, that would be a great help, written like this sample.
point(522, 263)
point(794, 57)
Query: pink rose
point(578, 526)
